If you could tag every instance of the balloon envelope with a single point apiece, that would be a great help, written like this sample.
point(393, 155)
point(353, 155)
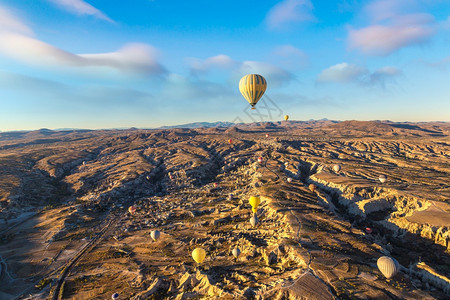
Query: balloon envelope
point(267, 135)
point(388, 266)
point(115, 296)
point(337, 168)
point(368, 230)
point(254, 201)
point(199, 255)
point(230, 141)
point(382, 178)
point(155, 234)
point(289, 180)
point(236, 252)
point(254, 220)
point(132, 209)
point(286, 117)
point(312, 187)
point(252, 87)
point(260, 159)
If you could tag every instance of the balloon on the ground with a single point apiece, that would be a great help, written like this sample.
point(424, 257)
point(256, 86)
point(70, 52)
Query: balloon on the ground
point(382, 178)
point(132, 209)
point(155, 234)
point(337, 168)
point(254, 220)
point(388, 266)
point(252, 87)
point(199, 255)
point(286, 117)
point(236, 252)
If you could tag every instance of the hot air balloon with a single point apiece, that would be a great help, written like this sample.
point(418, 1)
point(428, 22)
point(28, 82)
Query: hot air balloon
point(252, 87)
point(369, 230)
point(115, 296)
point(254, 220)
point(286, 164)
point(388, 266)
point(312, 187)
point(254, 201)
point(230, 141)
point(199, 255)
point(155, 235)
point(337, 168)
point(230, 197)
point(236, 252)
point(286, 117)
point(260, 160)
point(132, 209)
point(215, 184)
point(382, 178)
point(289, 179)
point(267, 135)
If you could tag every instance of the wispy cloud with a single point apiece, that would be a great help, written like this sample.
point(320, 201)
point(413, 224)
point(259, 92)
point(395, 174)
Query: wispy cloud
point(391, 28)
point(351, 73)
point(236, 69)
point(289, 11)
point(290, 57)
point(80, 7)
point(17, 42)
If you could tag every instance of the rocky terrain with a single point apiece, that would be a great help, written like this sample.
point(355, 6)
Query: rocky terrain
point(66, 233)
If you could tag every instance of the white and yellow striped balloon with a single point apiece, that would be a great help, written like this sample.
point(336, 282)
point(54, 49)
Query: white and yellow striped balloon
point(388, 266)
point(252, 87)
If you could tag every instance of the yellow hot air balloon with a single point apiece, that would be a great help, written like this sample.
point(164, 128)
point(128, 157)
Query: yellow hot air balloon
point(254, 202)
point(286, 117)
point(199, 255)
point(252, 87)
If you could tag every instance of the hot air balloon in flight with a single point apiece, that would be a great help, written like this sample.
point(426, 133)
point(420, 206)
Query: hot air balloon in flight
point(337, 168)
point(289, 179)
point(252, 87)
point(312, 187)
point(230, 141)
point(260, 160)
point(132, 209)
point(115, 296)
point(286, 117)
point(369, 230)
point(388, 266)
point(267, 135)
point(236, 252)
point(382, 178)
point(155, 235)
point(199, 255)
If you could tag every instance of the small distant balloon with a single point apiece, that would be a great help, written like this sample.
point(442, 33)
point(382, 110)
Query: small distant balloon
point(388, 266)
point(337, 168)
point(115, 296)
point(132, 209)
point(289, 179)
point(267, 135)
point(236, 252)
point(312, 187)
point(286, 117)
point(382, 178)
point(230, 197)
point(230, 141)
point(216, 184)
point(260, 160)
point(199, 255)
point(369, 230)
point(254, 220)
point(155, 234)
point(254, 201)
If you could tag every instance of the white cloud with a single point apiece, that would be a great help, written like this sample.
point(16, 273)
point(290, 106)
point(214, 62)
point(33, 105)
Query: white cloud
point(391, 28)
point(342, 72)
point(290, 57)
point(275, 75)
point(80, 7)
point(351, 73)
point(289, 11)
point(16, 43)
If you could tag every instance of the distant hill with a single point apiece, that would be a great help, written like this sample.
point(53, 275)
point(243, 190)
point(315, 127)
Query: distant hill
point(200, 125)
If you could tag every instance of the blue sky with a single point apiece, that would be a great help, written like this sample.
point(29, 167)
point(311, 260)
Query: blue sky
point(147, 63)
